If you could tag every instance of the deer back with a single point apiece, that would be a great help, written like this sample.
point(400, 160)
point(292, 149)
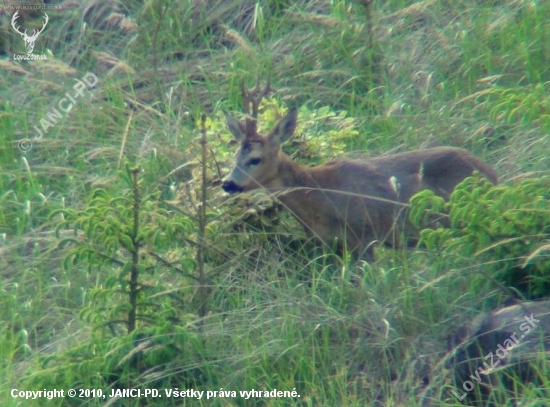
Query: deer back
point(440, 169)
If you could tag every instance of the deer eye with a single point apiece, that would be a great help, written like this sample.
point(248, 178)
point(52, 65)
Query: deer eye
point(254, 161)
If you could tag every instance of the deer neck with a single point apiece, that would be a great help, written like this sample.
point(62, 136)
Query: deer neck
point(293, 175)
point(293, 186)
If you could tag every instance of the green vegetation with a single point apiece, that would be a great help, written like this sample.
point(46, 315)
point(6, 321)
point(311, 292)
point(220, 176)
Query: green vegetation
point(506, 224)
point(116, 274)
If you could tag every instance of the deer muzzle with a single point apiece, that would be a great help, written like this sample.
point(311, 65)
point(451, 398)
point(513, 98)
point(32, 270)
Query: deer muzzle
point(231, 187)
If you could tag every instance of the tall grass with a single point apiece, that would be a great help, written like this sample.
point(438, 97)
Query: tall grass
point(416, 75)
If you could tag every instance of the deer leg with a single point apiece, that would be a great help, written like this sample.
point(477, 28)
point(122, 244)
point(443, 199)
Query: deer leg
point(365, 246)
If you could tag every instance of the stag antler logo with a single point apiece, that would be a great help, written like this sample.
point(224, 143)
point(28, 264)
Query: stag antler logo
point(29, 40)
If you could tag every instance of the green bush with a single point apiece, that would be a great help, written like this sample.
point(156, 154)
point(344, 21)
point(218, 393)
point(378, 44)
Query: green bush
point(506, 226)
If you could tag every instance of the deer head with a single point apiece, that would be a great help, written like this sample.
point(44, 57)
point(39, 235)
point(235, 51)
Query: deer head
point(257, 158)
point(29, 40)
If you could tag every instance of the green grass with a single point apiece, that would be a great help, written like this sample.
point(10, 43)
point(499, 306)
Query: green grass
point(467, 73)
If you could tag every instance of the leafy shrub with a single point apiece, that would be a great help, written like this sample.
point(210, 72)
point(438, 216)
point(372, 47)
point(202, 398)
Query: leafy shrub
point(506, 225)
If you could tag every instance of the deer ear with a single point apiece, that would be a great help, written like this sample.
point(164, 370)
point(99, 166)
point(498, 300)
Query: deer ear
point(284, 129)
point(236, 127)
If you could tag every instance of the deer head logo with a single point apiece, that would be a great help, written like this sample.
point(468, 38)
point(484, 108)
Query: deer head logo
point(29, 40)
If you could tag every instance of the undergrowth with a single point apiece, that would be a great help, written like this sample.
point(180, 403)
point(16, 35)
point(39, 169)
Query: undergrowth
point(267, 311)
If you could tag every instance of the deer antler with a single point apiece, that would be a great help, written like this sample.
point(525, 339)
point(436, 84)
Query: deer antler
point(16, 28)
point(251, 103)
point(35, 32)
point(46, 19)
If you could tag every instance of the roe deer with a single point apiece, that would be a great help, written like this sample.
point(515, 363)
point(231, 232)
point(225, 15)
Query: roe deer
point(356, 202)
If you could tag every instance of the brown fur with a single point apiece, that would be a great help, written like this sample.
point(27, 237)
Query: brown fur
point(357, 202)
